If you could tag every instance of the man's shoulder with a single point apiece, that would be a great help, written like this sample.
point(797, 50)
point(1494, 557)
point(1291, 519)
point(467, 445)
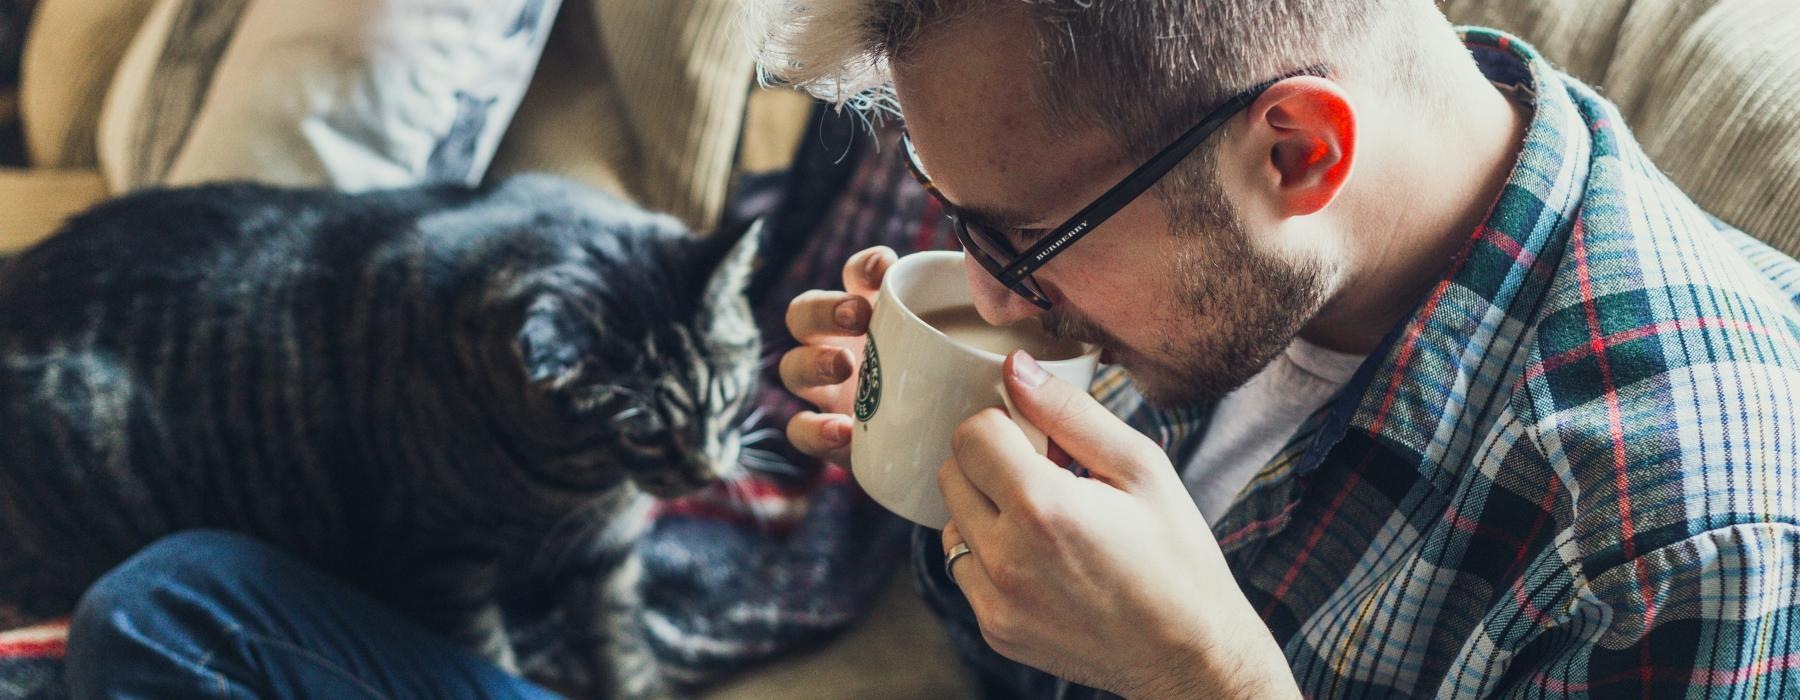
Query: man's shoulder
point(1663, 379)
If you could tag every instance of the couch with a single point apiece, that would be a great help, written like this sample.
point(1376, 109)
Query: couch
point(1703, 82)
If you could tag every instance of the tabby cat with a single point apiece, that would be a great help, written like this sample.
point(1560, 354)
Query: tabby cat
point(418, 390)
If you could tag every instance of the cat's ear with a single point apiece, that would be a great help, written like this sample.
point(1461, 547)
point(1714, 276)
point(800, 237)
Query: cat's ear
point(727, 258)
point(553, 344)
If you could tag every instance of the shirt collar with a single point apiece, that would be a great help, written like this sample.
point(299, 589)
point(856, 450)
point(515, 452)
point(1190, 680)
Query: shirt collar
point(1420, 384)
point(1415, 392)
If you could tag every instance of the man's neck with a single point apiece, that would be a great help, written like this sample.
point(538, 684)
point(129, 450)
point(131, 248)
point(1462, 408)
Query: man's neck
point(1432, 182)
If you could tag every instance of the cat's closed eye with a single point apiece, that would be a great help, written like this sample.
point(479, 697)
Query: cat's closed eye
point(643, 445)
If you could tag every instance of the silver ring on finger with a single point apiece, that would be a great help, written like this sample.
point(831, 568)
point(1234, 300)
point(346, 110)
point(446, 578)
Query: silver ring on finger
point(957, 552)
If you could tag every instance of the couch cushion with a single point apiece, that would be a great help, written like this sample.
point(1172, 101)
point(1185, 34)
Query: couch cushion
point(38, 200)
point(70, 52)
point(1705, 84)
point(354, 94)
point(160, 83)
point(642, 97)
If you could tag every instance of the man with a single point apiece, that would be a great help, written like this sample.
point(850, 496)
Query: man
point(1490, 407)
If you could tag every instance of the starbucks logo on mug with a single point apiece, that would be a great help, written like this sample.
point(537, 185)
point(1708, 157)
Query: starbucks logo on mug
point(868, 383)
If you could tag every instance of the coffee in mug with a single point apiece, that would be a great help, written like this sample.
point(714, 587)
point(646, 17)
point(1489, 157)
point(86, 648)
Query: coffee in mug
point(963, 325)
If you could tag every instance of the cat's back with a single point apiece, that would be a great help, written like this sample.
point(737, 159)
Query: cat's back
point(214, 246)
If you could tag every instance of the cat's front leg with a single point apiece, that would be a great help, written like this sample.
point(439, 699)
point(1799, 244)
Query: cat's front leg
point(604, 651)
point(457, 598)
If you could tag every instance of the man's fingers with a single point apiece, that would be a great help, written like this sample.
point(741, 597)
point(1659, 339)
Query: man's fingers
point(822, 435)
point(820, 314)
point(864, 271)
point(970, 511)
point(970, 574)
point(998, 460)
point(811, 366)
point(1109, 448)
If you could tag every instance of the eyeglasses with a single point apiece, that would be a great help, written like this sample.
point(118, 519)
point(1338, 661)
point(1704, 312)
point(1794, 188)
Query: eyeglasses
point(1014, 269)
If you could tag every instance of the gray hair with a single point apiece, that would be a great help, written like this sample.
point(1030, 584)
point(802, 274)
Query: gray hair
point(1144, 69)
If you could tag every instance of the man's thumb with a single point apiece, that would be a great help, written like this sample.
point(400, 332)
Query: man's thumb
point(1110, 450)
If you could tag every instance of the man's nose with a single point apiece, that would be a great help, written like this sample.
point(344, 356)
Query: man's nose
point(996, 304)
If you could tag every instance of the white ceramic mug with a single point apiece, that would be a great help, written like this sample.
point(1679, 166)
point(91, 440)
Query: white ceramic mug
point(917, 384)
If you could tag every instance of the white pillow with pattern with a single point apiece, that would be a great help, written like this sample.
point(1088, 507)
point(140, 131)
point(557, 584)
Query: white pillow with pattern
point(354, 94)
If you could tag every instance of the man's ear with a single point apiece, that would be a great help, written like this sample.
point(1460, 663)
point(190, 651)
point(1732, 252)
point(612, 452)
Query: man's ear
point(1308, 125)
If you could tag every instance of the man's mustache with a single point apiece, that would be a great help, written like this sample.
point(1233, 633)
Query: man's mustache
point(1072, 327)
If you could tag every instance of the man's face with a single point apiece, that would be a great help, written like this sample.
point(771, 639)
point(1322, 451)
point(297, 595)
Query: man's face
point(1191, 308)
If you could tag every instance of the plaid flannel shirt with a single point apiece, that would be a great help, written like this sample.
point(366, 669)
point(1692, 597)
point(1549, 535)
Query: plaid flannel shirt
point(1572, 472)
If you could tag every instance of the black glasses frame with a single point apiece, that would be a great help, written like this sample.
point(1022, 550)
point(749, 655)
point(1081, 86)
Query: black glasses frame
point(1015, 271)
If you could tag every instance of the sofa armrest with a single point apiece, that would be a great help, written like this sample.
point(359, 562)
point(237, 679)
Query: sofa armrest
point(39, 200)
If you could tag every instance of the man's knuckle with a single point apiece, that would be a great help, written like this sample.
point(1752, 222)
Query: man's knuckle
point(965, 432)
point(796, 310)
point(1000, 628)
point(1006, 576)
point(796, 434)
point(1044, 518)
point(946, 475)
point(1146, 451)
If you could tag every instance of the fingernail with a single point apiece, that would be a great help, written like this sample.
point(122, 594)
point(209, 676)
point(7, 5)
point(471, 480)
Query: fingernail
point(845, 314)
point(1027, 370)
point(828, 366)
point(836, 435)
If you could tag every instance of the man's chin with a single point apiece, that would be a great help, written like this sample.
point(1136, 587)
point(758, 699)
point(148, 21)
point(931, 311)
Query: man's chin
point(1166, 389)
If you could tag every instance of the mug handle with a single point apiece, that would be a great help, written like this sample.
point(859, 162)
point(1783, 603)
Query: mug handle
point(1039, 441)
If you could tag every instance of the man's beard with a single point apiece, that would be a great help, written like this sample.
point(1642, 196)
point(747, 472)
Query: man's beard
point(1237, 309)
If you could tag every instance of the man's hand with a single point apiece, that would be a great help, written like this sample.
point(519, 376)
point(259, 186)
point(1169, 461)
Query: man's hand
point(1113, 581)
point(832, 328)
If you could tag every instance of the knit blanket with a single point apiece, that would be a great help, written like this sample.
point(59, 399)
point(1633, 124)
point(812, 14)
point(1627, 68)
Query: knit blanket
point(789, 552)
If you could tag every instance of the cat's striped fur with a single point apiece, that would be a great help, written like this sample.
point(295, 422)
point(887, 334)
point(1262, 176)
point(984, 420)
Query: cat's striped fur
point(407, 388)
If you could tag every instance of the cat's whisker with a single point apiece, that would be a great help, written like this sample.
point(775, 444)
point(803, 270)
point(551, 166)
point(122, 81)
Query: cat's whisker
point(758, 436)
point(766, 462)
point(754, 418)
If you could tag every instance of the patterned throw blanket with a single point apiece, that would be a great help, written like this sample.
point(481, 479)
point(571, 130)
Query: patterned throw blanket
point(762, 565)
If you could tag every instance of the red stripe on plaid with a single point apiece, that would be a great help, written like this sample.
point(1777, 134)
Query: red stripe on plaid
point(1615, 420)
point(48, 648)
point(1508, 245)
point(1255, 527)
point(39, 642)
point(1576, 354)
point(756, 503)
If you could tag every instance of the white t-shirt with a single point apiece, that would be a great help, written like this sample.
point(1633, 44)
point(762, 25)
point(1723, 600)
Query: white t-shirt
point(1253, 423)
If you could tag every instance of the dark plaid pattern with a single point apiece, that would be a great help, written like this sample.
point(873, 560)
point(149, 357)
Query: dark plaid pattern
point(1572, 471)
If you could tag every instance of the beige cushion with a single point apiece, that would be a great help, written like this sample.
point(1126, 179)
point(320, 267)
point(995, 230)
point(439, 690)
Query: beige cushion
point(1706, 85)
point(645, 98)
point(38, 200)
point(71, 50)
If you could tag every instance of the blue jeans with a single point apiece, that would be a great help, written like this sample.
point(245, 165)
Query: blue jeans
point(214, 614)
